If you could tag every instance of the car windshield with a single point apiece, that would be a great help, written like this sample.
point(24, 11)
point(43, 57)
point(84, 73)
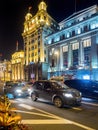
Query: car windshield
point(17, 85)
point(59, 85)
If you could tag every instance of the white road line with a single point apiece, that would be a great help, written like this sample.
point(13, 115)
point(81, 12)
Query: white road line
point(92, 104)
point(88, 103)
point(13, 101)
point(56, 120)
point(39, 114)
point(75, 108)
point(45, 121)
point(62, 121)
point(26, 106)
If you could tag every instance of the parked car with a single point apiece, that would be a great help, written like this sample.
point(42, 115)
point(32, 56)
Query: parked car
point(56, 92)
point(88, 88)
point(16, 89)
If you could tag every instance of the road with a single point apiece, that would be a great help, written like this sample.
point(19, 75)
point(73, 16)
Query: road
point(41, 115)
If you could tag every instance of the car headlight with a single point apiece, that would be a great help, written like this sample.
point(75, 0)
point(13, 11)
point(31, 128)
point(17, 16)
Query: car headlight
point(18, 91)
point(69, 95)
point(29, 89)
point(80, 94)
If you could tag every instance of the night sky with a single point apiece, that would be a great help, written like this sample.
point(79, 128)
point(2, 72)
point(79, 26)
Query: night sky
point(12, 14)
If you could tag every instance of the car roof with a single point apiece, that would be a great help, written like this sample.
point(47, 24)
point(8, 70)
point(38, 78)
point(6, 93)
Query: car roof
point(45, 81)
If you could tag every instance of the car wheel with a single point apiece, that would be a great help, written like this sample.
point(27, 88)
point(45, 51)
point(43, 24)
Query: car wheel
point(33, 97)
point(58, 102)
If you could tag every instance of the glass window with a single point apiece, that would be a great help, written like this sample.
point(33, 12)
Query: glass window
point(75, 46)
point(57, 38)
point(65, 48)
point(87, 43)
point(79, 30)
point(93, 25)
point(68, 34)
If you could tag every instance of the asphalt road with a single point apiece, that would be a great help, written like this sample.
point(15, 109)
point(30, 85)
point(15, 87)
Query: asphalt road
point(41, 115)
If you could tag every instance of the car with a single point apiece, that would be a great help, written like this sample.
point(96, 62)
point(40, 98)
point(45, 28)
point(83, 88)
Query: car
point(56, 92)
point(88, 88)
point(16, 89)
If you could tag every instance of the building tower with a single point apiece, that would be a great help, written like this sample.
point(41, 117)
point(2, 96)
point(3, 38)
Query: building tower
point(36, 28)
point(17, 65)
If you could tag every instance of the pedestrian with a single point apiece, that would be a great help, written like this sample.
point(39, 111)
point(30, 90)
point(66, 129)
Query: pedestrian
point(33, 80)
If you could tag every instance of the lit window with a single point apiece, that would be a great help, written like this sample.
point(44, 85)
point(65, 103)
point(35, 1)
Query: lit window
point(49, 42)
point(57, 38)
point(75, 46)
point(65, 48)
point(97, 24)
point(87, 43)
point(68, 34)
point(93, 25)
point(78, 30)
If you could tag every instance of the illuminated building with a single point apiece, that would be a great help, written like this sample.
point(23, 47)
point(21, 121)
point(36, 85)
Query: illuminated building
point(17, 67)
point(74, 48)
point(5, 70)
point(36, 28)
point(68, 47)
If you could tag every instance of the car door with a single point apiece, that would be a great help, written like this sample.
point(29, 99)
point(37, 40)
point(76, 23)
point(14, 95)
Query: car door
point(38, 89)
point(47, 94)
point(94, 89)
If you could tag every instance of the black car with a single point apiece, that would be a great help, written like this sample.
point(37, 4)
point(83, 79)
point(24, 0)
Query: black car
point(16, 89)
point(88, 88)
point(56, 92)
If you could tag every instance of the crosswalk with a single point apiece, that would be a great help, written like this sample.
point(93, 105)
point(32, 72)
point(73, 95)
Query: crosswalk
point(47, 118)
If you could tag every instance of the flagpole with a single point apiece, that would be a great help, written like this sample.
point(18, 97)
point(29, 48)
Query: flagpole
point(17, 46)
point(75, 6)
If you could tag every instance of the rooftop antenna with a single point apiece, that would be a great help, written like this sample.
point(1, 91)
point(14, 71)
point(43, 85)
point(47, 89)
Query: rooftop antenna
point(29, 9)
point(17, 46)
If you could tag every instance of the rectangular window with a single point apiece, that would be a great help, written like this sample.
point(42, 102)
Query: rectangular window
point(65, 48)
point(87, 43)
point(75, 46)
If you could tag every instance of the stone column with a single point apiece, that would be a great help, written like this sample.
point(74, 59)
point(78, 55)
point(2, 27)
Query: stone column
point(69, 55)
point(61, 58)
point(81, 54)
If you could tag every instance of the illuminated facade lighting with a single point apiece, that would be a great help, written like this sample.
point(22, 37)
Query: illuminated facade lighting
point(77, 46)
point(36, 28)
point(17, 62)
point(75, 39)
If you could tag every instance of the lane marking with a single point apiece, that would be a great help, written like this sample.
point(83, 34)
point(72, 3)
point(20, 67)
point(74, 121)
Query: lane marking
point(92, 104)
point(13, 101)
point(39, 114)
point(88, 103)
point(62, 121)
point(57, 120)
point(45, 121)
point(75, 108)
point(26, 106)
